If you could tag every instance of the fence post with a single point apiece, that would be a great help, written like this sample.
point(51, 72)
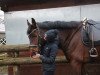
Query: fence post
point(17, 67)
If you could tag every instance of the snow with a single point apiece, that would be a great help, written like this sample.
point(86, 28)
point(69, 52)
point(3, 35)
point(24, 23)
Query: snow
point(2, 28)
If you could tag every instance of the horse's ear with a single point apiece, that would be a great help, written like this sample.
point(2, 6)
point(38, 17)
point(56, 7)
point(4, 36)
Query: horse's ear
point(33, 21)
point(28, 23)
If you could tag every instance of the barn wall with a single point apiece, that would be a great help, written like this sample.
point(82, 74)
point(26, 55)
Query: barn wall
point(15, 28)
point(16, 24)
point(91, 12)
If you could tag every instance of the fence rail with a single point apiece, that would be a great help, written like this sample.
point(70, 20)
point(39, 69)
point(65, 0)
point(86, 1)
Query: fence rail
point(14, 48)
point(27, 60)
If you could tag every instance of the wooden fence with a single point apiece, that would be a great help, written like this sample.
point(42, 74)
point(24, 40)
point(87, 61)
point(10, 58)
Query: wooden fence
point(15, 49)
point(16, 61)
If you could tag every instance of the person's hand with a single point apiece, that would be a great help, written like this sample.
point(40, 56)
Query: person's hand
point(36, 56)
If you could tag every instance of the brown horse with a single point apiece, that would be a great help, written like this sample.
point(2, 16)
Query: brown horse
point(70, 40)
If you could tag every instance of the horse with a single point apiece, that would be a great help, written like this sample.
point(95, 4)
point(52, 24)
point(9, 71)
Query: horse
point(70, 37)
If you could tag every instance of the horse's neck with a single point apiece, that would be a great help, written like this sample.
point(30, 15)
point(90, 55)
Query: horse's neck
point(66, 36)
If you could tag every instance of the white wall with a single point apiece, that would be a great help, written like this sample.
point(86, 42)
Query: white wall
point(91, 11)
point(16, 24)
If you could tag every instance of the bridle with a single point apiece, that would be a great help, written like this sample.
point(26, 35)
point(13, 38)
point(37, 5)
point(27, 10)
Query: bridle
point(32, 32)
point(37, 36)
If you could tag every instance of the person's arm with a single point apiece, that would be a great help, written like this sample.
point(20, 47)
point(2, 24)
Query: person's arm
point(52, 56)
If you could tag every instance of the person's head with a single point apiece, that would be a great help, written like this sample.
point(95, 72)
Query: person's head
point(51, 35)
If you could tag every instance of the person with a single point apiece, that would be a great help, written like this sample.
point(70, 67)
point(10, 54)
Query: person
point(49, 51)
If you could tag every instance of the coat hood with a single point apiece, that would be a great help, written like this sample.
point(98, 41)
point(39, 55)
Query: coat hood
point(51, 35)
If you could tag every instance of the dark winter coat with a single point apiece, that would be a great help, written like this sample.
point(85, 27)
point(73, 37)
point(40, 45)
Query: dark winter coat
point(49, 50)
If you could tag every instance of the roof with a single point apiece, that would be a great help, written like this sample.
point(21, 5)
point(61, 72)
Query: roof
point(7, 5)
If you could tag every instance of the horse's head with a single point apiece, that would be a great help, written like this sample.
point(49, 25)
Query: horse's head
point(32, 32)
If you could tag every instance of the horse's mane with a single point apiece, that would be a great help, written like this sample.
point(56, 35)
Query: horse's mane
point(58, 24)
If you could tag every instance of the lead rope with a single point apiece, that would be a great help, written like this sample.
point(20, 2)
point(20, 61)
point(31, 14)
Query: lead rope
point(93, 51)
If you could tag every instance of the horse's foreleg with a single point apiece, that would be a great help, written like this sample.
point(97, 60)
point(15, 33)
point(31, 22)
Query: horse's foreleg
point(66, 55)
point(76, 67)
point(84, 70)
